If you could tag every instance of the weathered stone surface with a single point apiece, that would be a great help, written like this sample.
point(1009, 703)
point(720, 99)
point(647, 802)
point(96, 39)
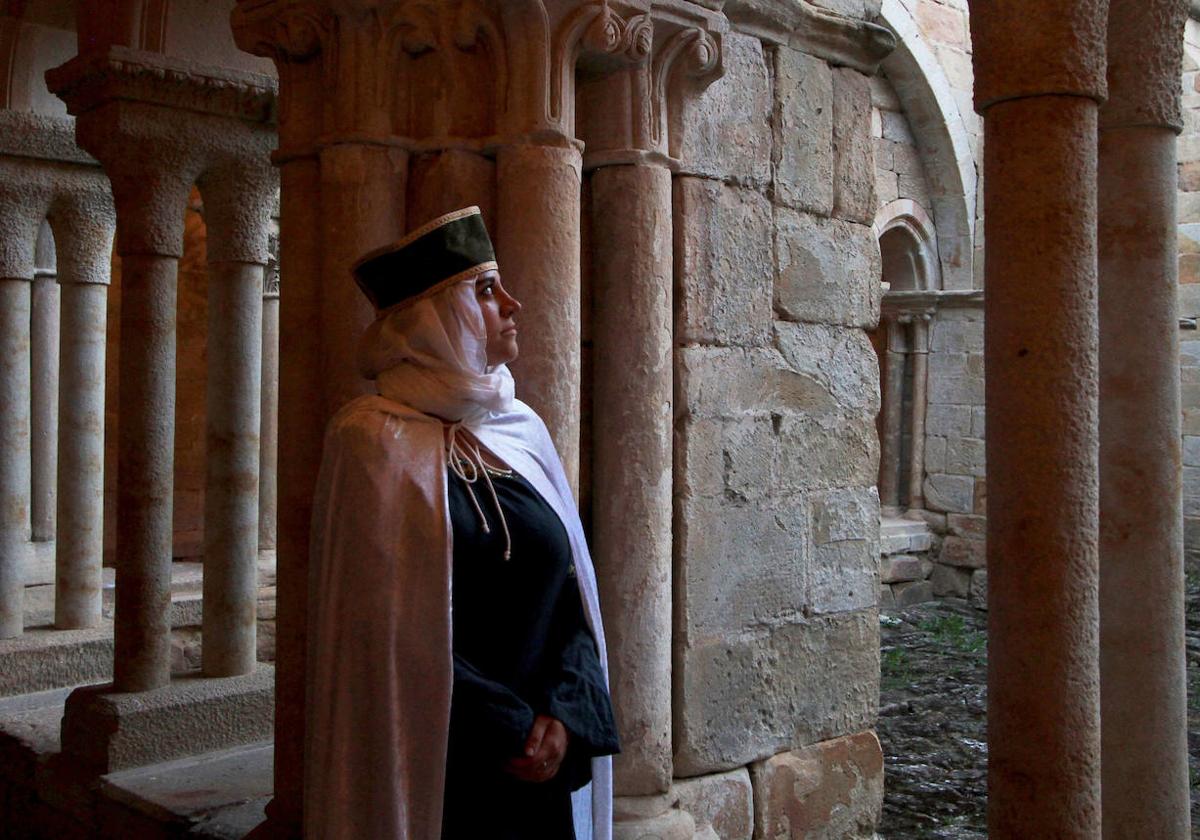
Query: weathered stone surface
point(803, 132)
point(971, 526)
point(747, 565)
point(727, 129)
point(722, 382)
point(828, 270)
point(908, 594)
point(950, 493)
point(966, 553)
point(956, 336)
point(979, 591)
point(901, 567)
point(901, 536)
point(845, 560)
point(853, 167)
point(722, 804)
point(833, 789)
point(746, 697)
point(44, 658)
point(822, 451)
point(723, 249)
point(947, 420)
point(949, 581)
point(841, 358)
point(965, 456)
point(673, 825)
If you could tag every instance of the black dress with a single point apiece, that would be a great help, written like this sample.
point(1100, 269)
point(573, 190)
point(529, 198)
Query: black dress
point(521, 648)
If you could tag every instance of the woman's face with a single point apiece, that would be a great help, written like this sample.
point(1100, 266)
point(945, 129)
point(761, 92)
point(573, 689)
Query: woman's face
point(499, 309)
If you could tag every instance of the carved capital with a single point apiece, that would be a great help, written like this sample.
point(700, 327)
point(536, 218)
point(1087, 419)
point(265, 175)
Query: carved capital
point(87, 82)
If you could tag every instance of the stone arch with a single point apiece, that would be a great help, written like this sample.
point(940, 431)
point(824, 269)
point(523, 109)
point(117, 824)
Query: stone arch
point(942, 136)
point(908, 244)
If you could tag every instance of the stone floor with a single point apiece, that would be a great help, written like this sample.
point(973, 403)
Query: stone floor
point(933, 726)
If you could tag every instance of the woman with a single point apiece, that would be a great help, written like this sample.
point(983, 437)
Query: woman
point(442, 506)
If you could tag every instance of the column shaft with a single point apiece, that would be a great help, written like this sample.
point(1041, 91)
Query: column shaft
point(44, 339)
point(1041, 367)
point(15, 305)
point(893, 402)
point(231, 481)
point(79, 545)
point(920, 398)
point(538, 193)
point(1142, 665)
point(632, 505)
point(145, 471)
point(268, 456)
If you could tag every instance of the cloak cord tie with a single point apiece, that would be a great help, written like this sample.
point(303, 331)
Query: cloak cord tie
point(466, 462)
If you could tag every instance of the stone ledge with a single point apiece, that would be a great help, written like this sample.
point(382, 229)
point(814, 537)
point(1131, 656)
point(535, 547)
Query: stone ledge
point(108, 731)
point(44, 658)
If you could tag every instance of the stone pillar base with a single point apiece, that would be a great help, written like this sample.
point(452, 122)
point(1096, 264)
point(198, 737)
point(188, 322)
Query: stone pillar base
point(106, 731)
point(651, 818)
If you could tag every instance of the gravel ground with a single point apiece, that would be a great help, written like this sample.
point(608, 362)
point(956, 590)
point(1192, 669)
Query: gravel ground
point(933, 719)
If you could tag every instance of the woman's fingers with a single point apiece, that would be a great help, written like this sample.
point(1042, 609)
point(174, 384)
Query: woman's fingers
point(534, 742)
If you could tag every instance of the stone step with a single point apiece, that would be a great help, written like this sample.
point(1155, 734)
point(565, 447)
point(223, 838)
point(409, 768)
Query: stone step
point(904, 536)
point(43, 658)
point(109, 731)
point(220, 794)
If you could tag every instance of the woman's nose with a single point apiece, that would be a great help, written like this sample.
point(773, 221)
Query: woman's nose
point(512, 304)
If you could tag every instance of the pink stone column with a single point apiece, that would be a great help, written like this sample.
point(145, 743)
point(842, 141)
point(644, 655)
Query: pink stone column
point(632, 459)
point(919, 348)
point(1039, 71)
point(43, 385)
point(893, 413)
point(537, 239)
point(1143, 700)
point(237, 199)
point(84, 232)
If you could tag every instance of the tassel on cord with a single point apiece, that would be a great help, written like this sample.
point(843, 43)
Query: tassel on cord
point(466, 462)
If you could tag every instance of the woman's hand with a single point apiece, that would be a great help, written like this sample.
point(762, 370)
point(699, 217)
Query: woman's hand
point(544, 751)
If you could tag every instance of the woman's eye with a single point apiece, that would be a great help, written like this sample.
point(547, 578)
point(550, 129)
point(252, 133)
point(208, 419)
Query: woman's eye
point(485, 290)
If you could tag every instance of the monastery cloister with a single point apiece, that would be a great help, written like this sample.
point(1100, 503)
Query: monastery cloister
point(764, 286)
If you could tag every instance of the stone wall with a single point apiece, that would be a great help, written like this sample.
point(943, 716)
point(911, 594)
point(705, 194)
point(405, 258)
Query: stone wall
point(776, 512)
point(1188, 150)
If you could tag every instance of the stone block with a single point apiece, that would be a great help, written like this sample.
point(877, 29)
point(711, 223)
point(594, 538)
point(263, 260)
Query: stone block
point(950, 581)
point(949, 493)
point(935, 454)
point(942, 24)
point(828, 270)
point(883, 95)
point(979, 502)
point(43, 658)
point(820, 451)
point(727, 129)
point(725, 262)
point(108, 731)
point(954, 336)
point(963, 390)
point(899, 568)
point(979, 422)
point(840, 358)
point(1191, 451)
point(911, 594)
point(904, 536)
point(722, 804)
point(978, 594)
point(844, 576)
point(948, 420)
point(674, 824)
point(746, 565)
point(967, 525)
point(895, 128)
point(883, 152)
point(720, 382)
point(828, 791)
point(887, 186)
point(748, 696)
point(906, 161)
point(749, 454)
point(965, 456)
point(853, 164)
point(963, 552)
point(803, 132)
point(887, 601)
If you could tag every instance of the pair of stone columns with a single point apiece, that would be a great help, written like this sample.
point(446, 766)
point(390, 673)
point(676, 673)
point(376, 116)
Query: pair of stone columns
point(1086, 657)
point(907, 336)
point(52, 383)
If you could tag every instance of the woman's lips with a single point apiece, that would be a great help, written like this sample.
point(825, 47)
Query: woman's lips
point(509, 331)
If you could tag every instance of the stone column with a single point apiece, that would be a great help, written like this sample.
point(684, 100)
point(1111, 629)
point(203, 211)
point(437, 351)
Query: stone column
point(538, 188)
point(151, 190)
point(919, 348)
point(1038, 95)
point(18, 233)
point(84, 232)
point(237, 199)
point(43, 388)
point(896, 328)
point(1143, 697)
point(268, 455)
point(631, 508)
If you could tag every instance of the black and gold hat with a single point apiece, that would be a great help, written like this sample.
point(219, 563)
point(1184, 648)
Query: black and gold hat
point(436, 255)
